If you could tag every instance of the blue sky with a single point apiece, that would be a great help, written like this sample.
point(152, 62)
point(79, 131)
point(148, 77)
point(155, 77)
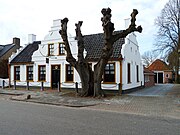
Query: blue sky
point(18, 18)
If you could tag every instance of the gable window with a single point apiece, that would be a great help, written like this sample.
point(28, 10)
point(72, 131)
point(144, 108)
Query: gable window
point(17, 73)
point(30, 73)
point(42, 73)
point(109, 73)
point(137, 73)
point(129, 73)
point(61, 49)
point(69, 73)
point(50, 49)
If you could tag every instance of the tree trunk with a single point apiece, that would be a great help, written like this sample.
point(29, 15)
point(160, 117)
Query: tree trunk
point(85, 74)
point(97, 81)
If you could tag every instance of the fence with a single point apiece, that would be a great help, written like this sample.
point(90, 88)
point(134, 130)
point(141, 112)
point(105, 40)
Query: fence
point(42, 85)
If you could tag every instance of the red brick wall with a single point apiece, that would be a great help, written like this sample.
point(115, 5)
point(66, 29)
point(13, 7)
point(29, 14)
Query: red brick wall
point(150, 82)
point(167, 76)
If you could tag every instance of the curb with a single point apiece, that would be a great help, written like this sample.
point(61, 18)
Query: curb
point(51, 103)
point(15, 94)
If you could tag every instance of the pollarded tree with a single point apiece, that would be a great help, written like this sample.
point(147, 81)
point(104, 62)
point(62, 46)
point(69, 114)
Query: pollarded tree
point(91, 80)
point(168, 36)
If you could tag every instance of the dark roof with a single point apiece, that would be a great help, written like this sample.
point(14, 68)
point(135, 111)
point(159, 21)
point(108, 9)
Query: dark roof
point(94, 44)
point(147, 71)
point(25, 56)
point(5, 48)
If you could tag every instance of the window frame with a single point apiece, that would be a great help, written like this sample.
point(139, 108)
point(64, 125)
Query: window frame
point(29, 73)
point(128, 73)
point(137, 73)
point(39, 73)
point(111, 72)
point(71, 71)
point(51, 49)
point(15, 73)
point(61, 49)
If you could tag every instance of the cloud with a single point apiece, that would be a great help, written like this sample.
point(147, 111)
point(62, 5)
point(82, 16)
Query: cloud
point(22, 17)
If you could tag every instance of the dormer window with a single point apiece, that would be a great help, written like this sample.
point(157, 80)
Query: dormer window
point(61, 49)
point(50, 49)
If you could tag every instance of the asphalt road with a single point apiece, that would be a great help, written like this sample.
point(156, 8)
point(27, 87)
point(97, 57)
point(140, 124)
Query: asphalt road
point(157, 90)
point(20, 118)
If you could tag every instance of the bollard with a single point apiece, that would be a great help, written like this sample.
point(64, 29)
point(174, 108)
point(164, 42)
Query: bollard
point(76, 87)
point(15, 84)
point(27, 85)
point(3, 84)
point(120, 89)
point(42, 86)
point(59, 87)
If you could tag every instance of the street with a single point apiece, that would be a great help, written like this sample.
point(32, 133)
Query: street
point(21, 118)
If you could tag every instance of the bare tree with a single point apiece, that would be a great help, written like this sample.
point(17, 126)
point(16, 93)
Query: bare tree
point(168, 36)
point(91, 80)
point(148, 57)
point(171, 59)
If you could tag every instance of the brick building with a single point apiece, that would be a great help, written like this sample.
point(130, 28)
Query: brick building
point(5, 52)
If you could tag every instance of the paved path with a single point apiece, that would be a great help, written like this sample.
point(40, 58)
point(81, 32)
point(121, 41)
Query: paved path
point(157, 90)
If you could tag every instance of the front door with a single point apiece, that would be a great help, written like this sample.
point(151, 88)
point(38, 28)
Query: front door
point(55, 75)
point(160, 77)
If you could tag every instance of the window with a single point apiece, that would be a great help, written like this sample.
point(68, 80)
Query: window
point(61, 49)
point(17, 73)
point(146, 79)
point(50, 49)
point(137, 71)
point(69, 73)
point(167, 75)
point(109, 73)
point(129, 73)
point(42, 73)
point(30, 73)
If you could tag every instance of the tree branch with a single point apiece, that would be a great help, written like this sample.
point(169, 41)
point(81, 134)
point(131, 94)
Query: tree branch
point(132, 27)
point(80, 42)
point(63, 33)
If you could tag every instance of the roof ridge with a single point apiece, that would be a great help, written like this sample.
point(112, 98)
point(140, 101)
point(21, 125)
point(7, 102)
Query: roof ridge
point(101, 33)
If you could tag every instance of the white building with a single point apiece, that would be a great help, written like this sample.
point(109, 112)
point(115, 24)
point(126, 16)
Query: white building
point(46, 61)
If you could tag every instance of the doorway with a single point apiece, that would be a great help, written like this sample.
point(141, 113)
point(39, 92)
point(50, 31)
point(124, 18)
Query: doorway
point(155, 78)
point(160, 77)
point(55, 76)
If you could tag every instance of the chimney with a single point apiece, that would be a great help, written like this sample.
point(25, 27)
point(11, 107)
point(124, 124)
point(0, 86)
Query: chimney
point(57, 22)
point(127, 22)
point(16, 41)
point(31, 38)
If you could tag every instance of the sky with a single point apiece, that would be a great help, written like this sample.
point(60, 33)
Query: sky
point(18, 18)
